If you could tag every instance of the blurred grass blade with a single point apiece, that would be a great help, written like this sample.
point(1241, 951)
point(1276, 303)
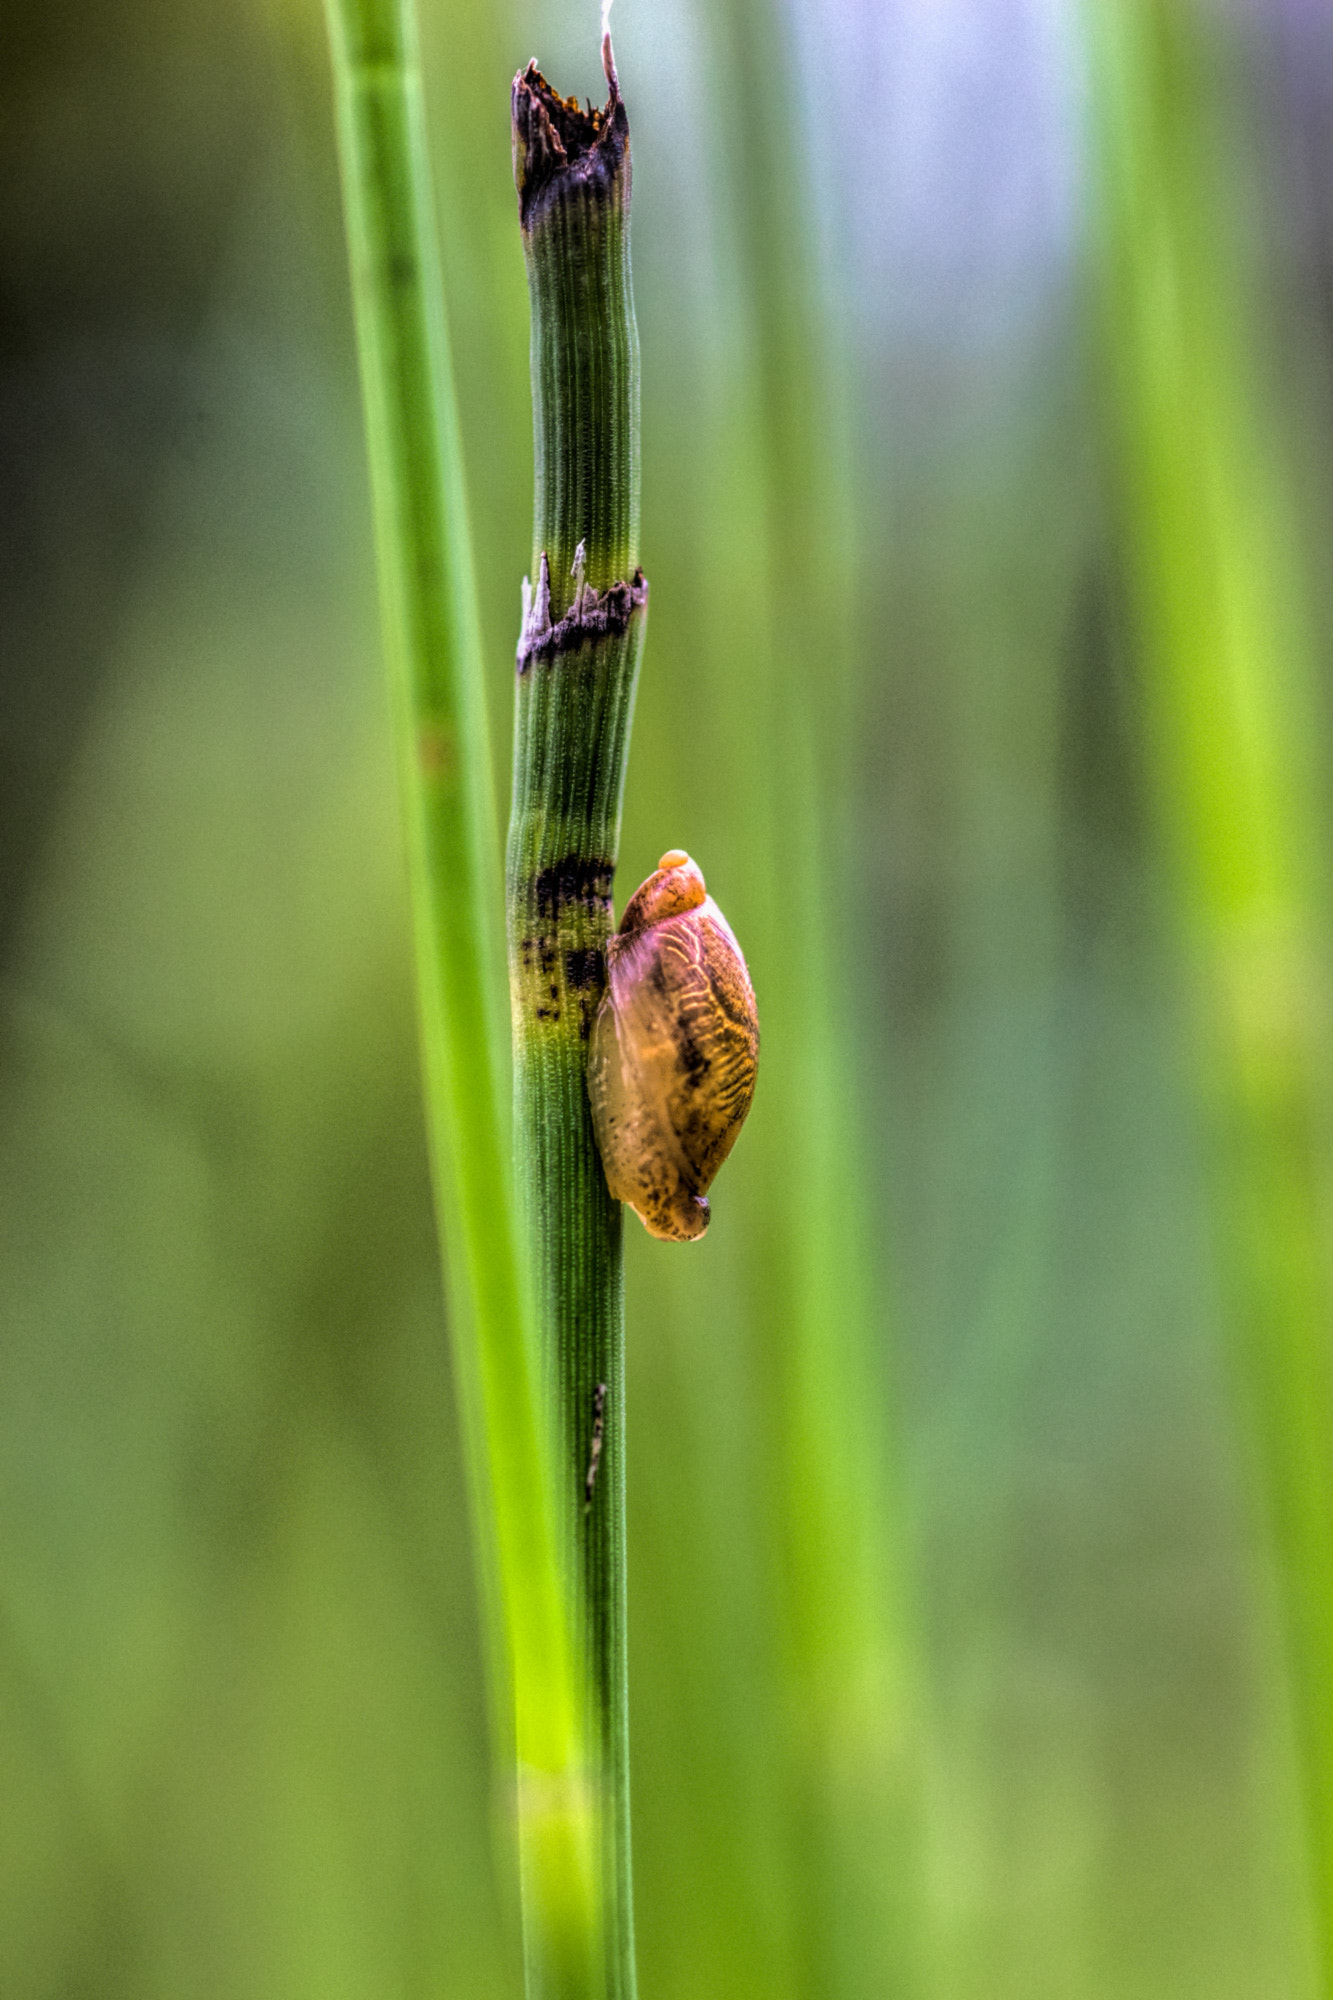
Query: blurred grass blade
point(578, 664)
point(819, 1295)
point(1211, 529)
point(432, 649)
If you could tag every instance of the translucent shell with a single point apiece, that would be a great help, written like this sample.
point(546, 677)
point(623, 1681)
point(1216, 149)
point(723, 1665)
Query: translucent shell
point(673, 1052)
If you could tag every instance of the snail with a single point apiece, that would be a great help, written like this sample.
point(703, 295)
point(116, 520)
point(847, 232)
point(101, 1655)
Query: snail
point(673, 1051)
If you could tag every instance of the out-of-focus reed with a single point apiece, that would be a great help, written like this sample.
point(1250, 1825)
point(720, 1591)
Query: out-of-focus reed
point(1213, 545)
point(432, 647)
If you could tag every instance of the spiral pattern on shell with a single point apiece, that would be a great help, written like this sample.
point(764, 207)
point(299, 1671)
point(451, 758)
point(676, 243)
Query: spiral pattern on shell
point(674, 1051)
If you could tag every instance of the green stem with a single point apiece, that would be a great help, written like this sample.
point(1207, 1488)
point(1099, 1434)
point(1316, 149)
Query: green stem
point(433, 654)
point(577, 666)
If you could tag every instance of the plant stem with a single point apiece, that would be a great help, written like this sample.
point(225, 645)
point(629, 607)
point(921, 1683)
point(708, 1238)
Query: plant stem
point(433, 654)
point(1212, 538)
point(577, 666)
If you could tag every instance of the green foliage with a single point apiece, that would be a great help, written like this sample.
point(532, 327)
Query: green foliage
point(1214, 553)
point(243, 1726)
point(432, 647)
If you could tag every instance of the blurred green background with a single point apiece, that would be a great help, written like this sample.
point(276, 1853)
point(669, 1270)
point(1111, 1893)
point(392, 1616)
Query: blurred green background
point(955, 1653)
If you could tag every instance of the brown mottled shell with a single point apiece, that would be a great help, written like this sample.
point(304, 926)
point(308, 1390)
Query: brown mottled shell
point(674, 1050)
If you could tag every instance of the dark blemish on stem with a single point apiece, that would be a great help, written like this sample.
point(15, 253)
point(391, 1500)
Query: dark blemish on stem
point(436, 750)
point(576, 881)
point(584, 969)
point(578, 972)
point(599, 1395)
point(593, 615)
point(562, 152)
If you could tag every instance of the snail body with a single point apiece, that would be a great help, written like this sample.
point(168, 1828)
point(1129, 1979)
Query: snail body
point(674, 1051)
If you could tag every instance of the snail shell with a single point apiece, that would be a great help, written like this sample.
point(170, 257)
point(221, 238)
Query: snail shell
point(673, 1052)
